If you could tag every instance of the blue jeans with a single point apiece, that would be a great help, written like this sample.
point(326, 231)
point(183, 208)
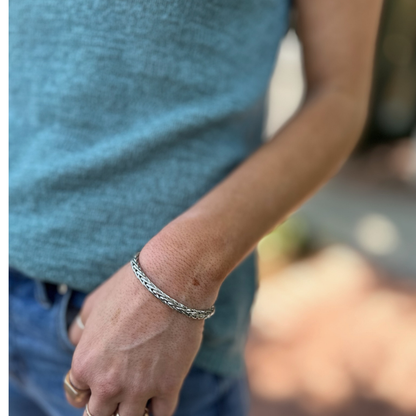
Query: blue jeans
point(41, 354)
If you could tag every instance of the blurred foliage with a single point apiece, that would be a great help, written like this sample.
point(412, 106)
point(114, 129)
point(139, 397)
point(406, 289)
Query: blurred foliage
point(286, 240)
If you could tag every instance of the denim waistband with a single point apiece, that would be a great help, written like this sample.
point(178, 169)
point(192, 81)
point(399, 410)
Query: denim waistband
point(46, 293)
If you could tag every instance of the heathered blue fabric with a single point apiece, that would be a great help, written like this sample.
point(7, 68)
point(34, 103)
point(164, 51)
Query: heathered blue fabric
point(122, 114)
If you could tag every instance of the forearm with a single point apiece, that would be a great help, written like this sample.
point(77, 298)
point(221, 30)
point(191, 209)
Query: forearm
point(193, 254)
point(272, 183)
point(207, 241)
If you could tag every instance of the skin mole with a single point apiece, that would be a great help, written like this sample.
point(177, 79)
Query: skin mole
point(116, 315)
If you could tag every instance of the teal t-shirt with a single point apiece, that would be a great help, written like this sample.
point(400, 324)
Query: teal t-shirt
point(123, 113)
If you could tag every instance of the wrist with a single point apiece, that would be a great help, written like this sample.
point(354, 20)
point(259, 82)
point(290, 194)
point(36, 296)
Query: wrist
point(184, 266)
point(197, 314)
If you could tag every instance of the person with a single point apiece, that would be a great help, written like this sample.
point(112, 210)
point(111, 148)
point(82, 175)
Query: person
point(136, 127)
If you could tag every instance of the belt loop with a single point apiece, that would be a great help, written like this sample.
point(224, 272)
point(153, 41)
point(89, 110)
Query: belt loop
point(41, 294)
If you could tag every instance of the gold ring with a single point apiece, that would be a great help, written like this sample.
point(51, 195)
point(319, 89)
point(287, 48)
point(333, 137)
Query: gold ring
point(77, 395)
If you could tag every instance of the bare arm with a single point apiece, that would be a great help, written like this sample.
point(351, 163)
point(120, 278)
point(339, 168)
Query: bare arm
point(133, 347)
point(213, 236)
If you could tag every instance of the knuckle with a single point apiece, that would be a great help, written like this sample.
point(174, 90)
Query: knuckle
point(106, 388)
point(138, 391)
point(79, 370)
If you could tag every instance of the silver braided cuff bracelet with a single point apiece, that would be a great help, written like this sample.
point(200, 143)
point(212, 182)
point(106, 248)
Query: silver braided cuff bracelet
point(172, 303)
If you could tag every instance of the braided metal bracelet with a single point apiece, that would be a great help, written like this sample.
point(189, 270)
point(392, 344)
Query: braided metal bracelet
point(172, 303)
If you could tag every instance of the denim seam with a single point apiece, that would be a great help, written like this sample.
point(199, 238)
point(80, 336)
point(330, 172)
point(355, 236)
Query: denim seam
point(62, 332)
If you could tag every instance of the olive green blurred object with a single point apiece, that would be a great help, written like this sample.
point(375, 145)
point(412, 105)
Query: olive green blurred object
point(286, 240)
point(393, 105)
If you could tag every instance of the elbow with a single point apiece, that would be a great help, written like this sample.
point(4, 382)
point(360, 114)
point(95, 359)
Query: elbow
point(349, 106)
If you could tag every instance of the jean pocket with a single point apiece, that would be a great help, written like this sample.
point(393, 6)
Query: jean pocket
point(67, 312)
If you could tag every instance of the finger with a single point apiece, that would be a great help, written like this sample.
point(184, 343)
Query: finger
point(77, 327)
point(76, 378)
point(76, 403)
point(163, 406)
point(126, 408)
point(75, 331)
point(76, 396)
point(100, 405)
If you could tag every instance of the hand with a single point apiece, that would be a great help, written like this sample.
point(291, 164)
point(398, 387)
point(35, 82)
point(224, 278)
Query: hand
point(133, 348)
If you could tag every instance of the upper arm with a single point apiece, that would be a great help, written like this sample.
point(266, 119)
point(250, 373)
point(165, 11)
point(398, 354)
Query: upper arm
point(338, 39)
